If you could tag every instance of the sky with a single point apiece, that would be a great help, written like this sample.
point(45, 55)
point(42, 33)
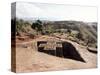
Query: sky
point(55, 12)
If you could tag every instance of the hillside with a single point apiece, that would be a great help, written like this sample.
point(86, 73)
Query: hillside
point(68, 44)
point(85, 32)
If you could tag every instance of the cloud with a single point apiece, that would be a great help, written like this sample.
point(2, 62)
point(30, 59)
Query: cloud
point(55, 12)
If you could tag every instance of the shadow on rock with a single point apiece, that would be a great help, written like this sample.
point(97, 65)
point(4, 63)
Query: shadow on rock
point(67, 51)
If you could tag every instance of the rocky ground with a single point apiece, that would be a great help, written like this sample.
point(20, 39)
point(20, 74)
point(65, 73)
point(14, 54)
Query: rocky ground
point(28, 59)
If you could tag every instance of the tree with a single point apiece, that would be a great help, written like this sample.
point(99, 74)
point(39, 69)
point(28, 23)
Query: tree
point(69, 31)
point(37, 25)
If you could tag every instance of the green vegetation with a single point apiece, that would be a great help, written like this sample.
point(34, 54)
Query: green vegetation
point(76, 31)
point(37, 25)
point(21, 26)
point(79, 36)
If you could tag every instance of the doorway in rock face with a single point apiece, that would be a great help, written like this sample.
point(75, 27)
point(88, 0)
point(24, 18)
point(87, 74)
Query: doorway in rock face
point(60, 49)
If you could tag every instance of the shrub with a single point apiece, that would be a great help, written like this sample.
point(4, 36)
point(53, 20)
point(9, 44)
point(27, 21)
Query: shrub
point(79, 36)
point(37, 25)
